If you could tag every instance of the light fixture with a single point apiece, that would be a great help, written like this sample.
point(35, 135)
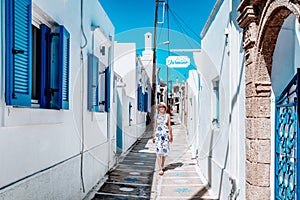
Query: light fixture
point(102, 50)
point(93, 28)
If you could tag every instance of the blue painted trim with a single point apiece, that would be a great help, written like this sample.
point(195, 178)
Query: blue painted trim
point(8, 50)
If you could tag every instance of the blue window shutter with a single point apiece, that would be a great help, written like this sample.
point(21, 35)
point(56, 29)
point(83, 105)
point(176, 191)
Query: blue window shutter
point(140, 96)
point(93, 74)
point(146, 102)
point(18, 48)
point(64, 68)
point(142, 102)
point(45, 65)
point(107, 89)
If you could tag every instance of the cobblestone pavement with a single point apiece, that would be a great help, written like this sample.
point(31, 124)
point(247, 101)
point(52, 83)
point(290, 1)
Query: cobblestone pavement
point(136, 176)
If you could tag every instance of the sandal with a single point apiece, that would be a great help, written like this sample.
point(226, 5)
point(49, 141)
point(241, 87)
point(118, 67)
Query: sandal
point(161, 172)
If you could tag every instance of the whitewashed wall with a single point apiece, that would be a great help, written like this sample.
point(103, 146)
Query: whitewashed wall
point(40, 148)
point(127, 66)
point(221, 150)
point(193, 111)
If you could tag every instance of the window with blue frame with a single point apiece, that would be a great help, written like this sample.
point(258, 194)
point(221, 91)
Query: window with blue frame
point(37, 60)
point(216, 99)
point(93, 76)
point(108, 81)
point(98, 85)
point(146, 97)
point(142, 99)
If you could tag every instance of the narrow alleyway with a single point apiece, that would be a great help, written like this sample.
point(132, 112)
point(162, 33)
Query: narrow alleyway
point(136, 176)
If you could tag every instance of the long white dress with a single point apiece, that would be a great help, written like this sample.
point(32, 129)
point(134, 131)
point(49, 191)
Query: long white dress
point(162, 134)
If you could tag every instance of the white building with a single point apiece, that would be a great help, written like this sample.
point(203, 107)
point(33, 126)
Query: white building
point(216, 103)
point(133, 95)
point(147, 55)
point(57, 121)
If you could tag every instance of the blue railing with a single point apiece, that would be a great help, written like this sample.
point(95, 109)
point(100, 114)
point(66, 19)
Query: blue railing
point(286, 143)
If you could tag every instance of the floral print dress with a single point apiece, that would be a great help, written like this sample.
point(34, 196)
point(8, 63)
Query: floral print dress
point(162, 135)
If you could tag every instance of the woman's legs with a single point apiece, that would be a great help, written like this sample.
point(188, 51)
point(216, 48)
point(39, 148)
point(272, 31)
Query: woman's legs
point(160, 164)
point(159, 161)
point(163, 159)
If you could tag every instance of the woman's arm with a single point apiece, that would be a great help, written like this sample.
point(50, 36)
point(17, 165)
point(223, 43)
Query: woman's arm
point(154, 130)
point(170, 128)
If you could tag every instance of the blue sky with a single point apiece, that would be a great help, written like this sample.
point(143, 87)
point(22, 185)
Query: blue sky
point(133, 18)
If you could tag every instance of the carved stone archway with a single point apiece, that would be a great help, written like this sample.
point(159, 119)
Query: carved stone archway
point(261, 21)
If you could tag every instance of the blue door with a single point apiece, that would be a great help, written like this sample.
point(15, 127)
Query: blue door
point(286, 142)
point(119, 125)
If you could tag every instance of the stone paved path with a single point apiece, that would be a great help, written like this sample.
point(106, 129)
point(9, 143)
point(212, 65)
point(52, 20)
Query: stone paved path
point(136, 176)
point(132, 178)
point(182, 178)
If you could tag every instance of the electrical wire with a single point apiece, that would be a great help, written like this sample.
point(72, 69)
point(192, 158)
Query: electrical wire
point(181, 28)
point(82, 126)
point(180, 18)
point(82, 96)
point(168, 18)
point(81, 26)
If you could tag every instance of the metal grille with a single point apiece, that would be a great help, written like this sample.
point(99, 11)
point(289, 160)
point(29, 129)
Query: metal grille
point(286, 142)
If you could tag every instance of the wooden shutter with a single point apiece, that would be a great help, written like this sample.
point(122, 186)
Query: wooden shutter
point(93, 74)
point(107, 89)
point(64, 67)
point(18, 48)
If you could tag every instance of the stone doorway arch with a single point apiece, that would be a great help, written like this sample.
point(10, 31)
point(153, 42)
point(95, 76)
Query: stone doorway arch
point(262, 22)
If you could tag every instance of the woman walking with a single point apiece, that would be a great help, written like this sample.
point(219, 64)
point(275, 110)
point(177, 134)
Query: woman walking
point(162, 135)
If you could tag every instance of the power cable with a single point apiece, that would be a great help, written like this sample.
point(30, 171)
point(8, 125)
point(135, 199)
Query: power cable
point(81, 26)
point(82, 96)
point(182, 30)
point(197, 35)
